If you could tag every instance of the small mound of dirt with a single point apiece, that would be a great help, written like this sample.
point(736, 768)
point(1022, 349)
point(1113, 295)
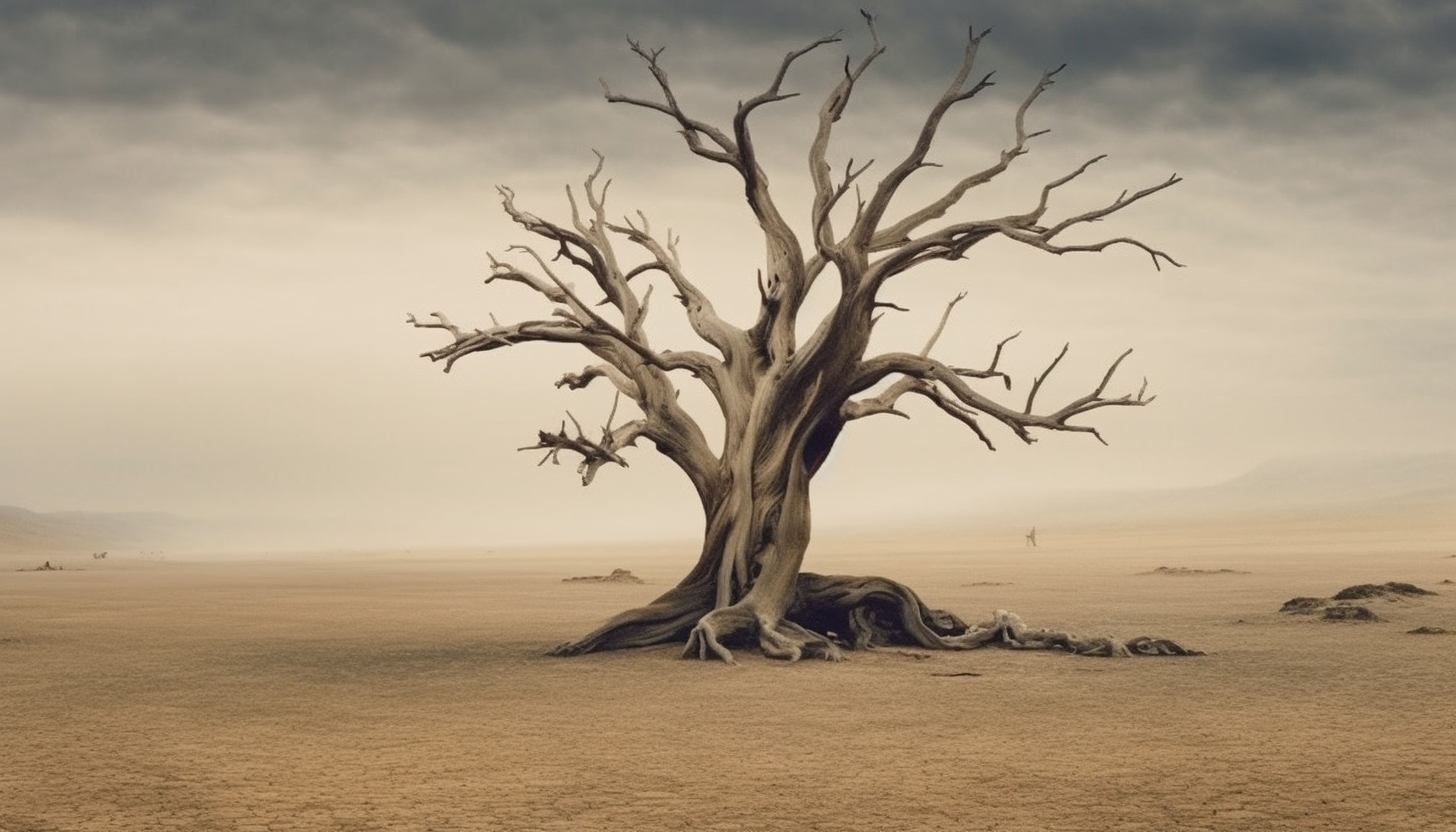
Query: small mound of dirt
point(1430, 631)
point(988, 583)
point(1304, 606)
point(618, 576)
point(1385, 590)
point(45, 567)
point(1183, 570)
point(1349, 612)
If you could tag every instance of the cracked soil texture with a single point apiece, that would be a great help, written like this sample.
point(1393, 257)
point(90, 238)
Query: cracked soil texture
point(409, 691)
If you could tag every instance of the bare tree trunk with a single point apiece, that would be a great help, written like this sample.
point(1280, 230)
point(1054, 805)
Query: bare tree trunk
point(748, 590)
point(746, 578)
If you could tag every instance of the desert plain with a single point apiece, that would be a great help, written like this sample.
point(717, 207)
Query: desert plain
point(410, 690)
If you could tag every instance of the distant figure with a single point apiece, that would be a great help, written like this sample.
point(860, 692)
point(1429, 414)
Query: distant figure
point(1031, 537)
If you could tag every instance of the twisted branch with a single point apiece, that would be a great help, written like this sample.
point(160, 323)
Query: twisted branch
point(594, 454)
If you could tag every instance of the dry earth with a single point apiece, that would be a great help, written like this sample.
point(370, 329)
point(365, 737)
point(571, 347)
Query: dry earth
point(370, 691)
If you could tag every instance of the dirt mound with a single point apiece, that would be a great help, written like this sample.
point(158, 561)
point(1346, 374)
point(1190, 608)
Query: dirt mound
point(45, 567)
point(1349, 612)
point(1304, 605)
point(1430, 631)
point(1390, 591)
point(618, 576)
point(1183, 570)
point(1385, 590)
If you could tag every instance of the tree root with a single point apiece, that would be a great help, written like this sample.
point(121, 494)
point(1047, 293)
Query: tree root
point(668, 619)
point(832, 613)
point(778, 638)
point(867, 612)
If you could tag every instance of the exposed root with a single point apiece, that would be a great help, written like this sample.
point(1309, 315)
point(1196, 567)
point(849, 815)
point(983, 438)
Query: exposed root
point(706, 639)
point(776, 638)
point(831, 613)
point(872, 612)
point(666, 620)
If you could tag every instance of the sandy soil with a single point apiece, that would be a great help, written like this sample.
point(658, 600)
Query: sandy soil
point(364, 691)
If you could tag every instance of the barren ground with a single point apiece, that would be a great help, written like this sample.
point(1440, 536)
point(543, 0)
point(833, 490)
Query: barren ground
point(393, 690)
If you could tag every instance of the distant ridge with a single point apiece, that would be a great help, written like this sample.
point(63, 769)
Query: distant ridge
point(1293, 483)
point(1334, 480)
point(23, 530)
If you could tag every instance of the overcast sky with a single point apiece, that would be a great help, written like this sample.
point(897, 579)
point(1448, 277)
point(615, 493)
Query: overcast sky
point(214, 218)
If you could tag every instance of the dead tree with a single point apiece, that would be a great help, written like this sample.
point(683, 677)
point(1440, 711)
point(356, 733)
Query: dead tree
point(784, 394)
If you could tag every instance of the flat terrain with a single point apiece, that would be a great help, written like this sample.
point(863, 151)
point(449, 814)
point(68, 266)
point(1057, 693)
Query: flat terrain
point(394, 690)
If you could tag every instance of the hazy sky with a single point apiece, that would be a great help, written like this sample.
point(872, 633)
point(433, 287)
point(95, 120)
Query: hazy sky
point(215, 216)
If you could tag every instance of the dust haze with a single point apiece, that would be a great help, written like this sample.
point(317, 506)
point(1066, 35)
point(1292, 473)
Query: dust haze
point(262, 566)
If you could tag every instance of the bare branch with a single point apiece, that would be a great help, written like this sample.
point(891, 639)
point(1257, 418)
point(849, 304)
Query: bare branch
point(1037, 382)
point(1038, 237)
point(946, 387)
point(594, 454)
point(955, 409)
point(826, 194)
point(990, 371)
point(952, 242)
point(481, 340)
point(692, 130)
point(864, 228)
point(624, 384)
point(901, 230)
point(774, 93)
point(505, 271)
point(701, 315)
point(945, 316)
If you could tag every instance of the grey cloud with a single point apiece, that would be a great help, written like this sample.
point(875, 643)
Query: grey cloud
point(83, 84)
point(448, 58)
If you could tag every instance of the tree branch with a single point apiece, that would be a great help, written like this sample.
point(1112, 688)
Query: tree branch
point(900, 231)
point(692, 129)
point(624, 385)
point(946, 387)
point(826, 193)
point(482, 340)
point(594, 454)
point(702, 317)
point(864, 228)
point(1038, 237)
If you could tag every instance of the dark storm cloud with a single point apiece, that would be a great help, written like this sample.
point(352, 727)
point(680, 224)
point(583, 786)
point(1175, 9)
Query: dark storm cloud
point(130, 99)
point(443, 59)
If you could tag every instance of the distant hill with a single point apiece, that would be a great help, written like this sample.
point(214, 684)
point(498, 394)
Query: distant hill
point(22, 530)
point(1330, 481)
point(1278, 485)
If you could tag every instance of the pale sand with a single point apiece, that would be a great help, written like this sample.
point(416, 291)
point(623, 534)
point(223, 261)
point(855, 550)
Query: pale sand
point(393, 691)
